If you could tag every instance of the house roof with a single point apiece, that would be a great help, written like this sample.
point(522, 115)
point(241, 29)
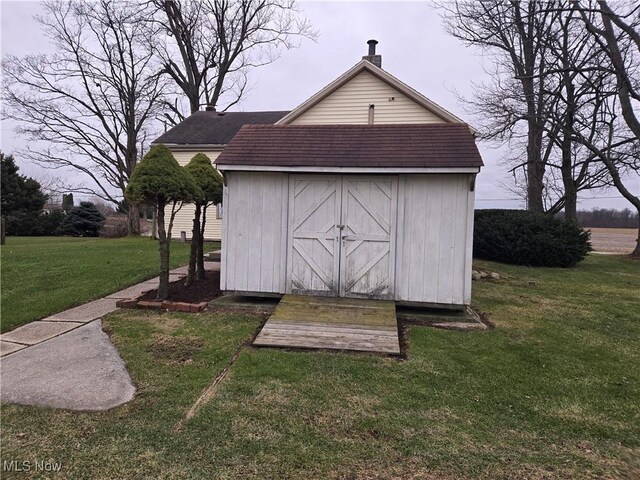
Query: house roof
point(214, 128)
point(414, 145)
point(365, 65)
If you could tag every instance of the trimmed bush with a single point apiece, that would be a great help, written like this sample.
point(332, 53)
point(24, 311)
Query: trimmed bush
point(521, 237)
point(30, 224)
point(160, 181)
point(82, 221)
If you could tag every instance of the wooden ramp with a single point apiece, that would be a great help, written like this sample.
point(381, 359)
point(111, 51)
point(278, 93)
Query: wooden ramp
point(334, 323)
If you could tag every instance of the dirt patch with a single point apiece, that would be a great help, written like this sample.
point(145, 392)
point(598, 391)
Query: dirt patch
point(175, 350)
point(200, 291)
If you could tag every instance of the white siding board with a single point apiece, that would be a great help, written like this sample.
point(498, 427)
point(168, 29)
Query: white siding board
point(253, 229)
point(471, 195)
point(224, 258)
point(460, 232)
point(349, 104)
point(430, 194)
point(400, 261)
point(433, 252)
point(446, 245)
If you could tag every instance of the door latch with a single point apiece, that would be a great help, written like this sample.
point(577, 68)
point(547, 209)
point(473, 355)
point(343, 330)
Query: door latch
point(340, 227)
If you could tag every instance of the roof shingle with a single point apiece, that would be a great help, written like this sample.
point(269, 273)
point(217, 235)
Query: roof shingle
point(414, 145)
point(214, 128)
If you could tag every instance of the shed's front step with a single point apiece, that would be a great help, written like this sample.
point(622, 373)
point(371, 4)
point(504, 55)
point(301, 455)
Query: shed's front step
point(332, 323)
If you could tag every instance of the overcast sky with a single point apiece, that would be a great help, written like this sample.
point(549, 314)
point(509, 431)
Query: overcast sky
point(414, 47)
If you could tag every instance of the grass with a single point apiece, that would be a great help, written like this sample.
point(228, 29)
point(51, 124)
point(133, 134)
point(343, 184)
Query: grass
point(552, 392)
point(45, 275)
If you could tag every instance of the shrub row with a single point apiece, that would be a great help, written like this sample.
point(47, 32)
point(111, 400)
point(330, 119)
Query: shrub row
point(82, 221)
point(526, 238)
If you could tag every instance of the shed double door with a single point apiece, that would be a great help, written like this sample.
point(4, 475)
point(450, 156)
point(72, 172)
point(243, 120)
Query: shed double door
point(342, 235)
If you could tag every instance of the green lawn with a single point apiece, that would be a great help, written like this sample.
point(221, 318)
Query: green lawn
point(45, 275)
point(552, 392)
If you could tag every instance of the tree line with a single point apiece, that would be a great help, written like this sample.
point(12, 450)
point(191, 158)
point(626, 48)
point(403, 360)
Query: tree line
point(564, 94)
point(23, 213)
point(607, 218)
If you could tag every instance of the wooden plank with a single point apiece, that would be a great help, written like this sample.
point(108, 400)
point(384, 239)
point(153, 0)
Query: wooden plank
point(334, 315)
point(313, 341)
point(303, 343)
point(329, 336)
point(284, 234)
point(320, 328)
point(332, 323)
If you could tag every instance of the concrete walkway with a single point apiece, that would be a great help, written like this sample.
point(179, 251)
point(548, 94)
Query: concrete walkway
point(66, 361)
point(80, 370)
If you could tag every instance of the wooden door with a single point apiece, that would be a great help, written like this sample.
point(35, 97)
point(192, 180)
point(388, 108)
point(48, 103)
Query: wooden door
point(368, 237)
point(314, 241)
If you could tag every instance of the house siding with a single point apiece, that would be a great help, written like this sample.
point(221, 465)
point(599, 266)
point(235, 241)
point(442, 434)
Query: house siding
point(349, 104)
point(184, 218)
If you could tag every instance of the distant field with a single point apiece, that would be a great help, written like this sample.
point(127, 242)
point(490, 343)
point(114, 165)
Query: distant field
point(619, 240)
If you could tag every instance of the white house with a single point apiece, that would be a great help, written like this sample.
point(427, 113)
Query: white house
point(364, 190)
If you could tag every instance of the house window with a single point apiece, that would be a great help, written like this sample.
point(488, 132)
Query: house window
point(219, 211)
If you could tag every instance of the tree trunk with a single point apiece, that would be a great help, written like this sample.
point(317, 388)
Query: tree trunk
point(195, 240)
point(571, 206)
point(535, 164)
point(566, 168)
point(636, 251)
point(154, 224)
point(535, 175)
point(163, 287)
point(133, 218)
point(200, 272)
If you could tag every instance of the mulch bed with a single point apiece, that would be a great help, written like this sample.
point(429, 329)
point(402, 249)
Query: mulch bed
point(194, 298)
point(200, 291)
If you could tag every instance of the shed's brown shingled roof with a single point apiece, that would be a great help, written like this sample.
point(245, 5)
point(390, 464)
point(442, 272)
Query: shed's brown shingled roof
point(423, 145)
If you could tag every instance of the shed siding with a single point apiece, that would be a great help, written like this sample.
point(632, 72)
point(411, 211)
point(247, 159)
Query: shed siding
point(434, 234)
point(349, 104)
point(254, 245)
point(184, 218)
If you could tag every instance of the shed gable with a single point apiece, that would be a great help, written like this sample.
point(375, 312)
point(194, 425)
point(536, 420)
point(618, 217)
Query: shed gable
point(349, 104)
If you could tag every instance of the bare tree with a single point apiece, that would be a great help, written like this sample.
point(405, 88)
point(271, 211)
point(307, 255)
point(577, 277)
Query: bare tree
point(617, 145)
point(575, 67)
point(211, 45)
point(90, 103)
point(514, 33)
point(546, 70)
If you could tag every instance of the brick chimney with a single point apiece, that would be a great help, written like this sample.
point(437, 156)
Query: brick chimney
point(372, 57)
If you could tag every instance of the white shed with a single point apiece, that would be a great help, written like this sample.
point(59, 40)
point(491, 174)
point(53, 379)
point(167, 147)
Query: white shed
point(375, 211)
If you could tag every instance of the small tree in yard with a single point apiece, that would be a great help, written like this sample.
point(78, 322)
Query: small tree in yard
point(159, 181)
point(82, 221)
point(210, 182)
